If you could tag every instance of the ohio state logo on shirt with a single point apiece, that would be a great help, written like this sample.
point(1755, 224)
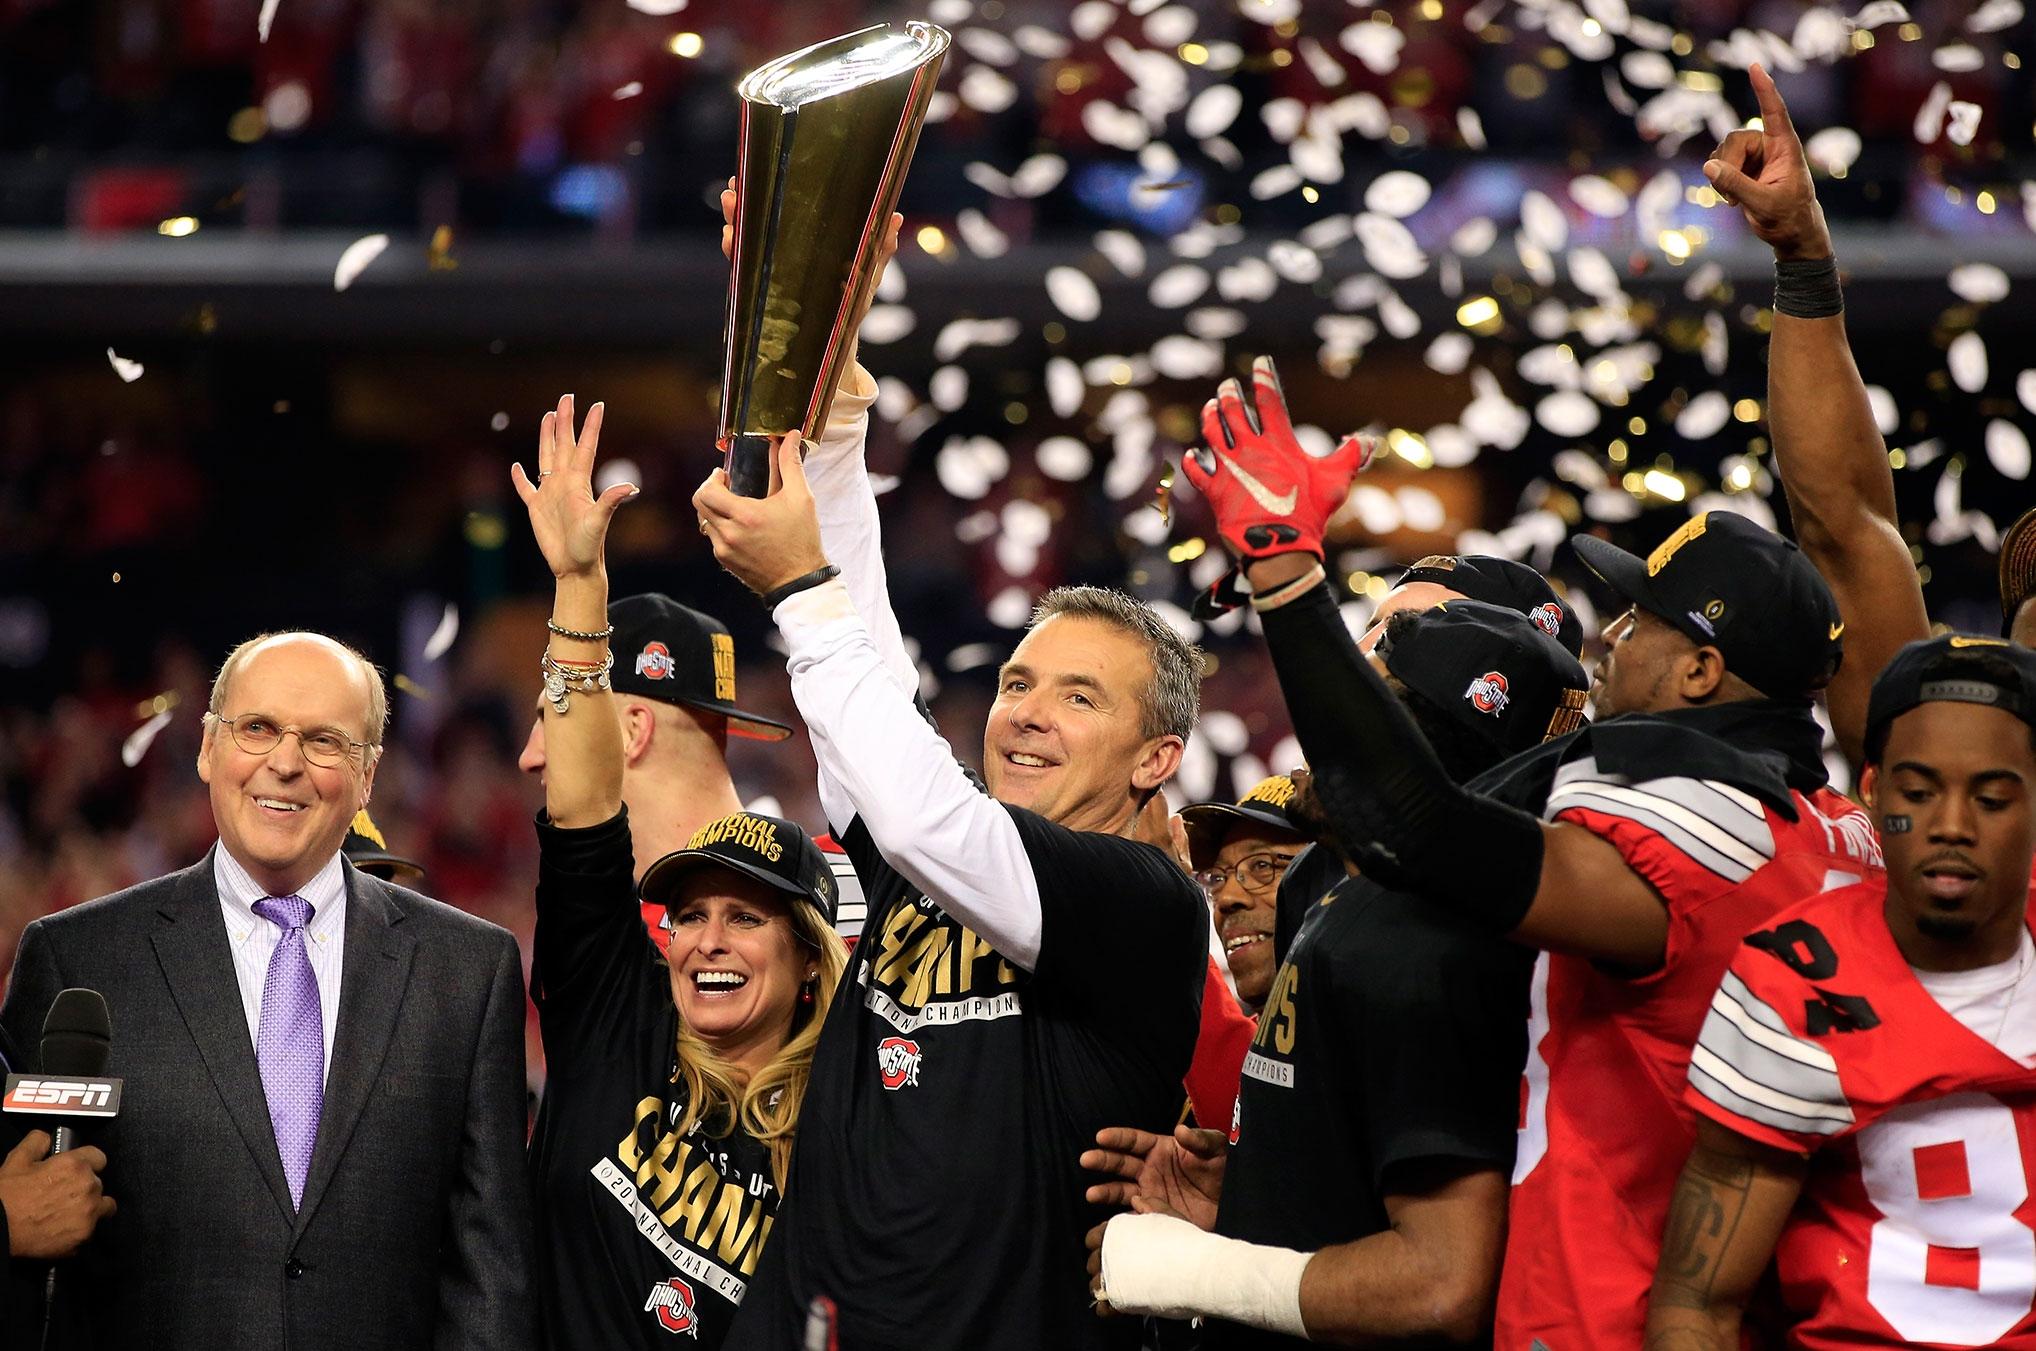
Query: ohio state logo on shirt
point(1487, 694)
point(1547, 618)
point(654, 662)
point(672, 1302)
point(898, 1062)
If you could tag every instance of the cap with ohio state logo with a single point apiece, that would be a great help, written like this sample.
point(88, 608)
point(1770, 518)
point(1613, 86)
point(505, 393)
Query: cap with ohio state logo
point(665, 650)
point(1490, 669)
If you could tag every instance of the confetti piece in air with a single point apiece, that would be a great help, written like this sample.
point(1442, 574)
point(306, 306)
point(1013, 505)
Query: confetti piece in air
point(2025, 389)
point(2008, 449)
point(1995, 15)
point(1600, 196)
point(628, 91)
point(1704, 416)
point(1929, 122)
point(405, 685)
point(128, 371)
point(355, 260)
point(1567, 412)
point(441, 639)
point(657, 8)
point(141, 738)
point(1979, 283)
point(265, 18)
point(1967, 358)
point(1064, 458)
point(1963, 124)
point(1073, 293)
point(439, 256)
point(1832, 150)
point(1397, 193)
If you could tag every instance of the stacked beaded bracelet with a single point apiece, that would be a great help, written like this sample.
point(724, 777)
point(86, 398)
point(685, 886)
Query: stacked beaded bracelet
point(564, 632)
point(586, 677)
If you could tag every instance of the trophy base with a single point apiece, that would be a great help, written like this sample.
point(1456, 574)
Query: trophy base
point(748, 463)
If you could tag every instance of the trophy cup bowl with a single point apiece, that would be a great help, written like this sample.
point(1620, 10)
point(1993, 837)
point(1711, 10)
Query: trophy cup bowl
point(827, 134)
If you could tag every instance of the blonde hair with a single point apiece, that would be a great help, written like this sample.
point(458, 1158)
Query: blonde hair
point(767, 1107)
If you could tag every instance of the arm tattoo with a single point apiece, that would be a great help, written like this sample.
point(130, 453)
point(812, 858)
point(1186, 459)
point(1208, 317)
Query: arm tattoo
point(1709, 1200)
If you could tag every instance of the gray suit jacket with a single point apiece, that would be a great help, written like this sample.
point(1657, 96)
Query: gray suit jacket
point(415, 1228)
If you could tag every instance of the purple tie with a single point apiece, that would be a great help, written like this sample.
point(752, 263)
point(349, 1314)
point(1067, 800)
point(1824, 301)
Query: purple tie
point(290, 1047)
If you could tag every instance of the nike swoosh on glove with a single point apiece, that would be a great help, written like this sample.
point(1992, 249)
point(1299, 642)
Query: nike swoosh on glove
point(1270, 496)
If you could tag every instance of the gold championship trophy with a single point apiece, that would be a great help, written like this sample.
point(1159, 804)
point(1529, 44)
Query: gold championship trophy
point(826, 136)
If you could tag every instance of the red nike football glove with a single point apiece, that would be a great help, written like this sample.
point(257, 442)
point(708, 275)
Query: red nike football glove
point(1270, 496)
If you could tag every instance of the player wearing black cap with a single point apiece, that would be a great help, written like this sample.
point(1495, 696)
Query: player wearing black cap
point(1504, 582)
point(1376, 1125)
point(1863, 1080)
point(1028, 974)
point(1239, 851)
point(1665, 833)
point(674, 1088)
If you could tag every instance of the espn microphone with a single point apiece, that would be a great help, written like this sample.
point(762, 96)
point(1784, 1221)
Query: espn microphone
point(76, 1038)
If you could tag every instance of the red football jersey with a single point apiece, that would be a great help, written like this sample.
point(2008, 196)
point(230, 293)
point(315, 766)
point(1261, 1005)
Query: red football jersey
point(1604, 1131)
point(1917, 1223)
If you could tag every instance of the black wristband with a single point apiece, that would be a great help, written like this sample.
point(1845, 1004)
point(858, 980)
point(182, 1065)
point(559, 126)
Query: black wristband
point(1808, 289)
point(775, 595)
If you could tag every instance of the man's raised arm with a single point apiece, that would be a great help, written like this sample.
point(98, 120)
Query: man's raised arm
point(1827, 448)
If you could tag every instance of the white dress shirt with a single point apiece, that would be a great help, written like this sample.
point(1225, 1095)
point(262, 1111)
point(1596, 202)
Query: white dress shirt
point(253, 939)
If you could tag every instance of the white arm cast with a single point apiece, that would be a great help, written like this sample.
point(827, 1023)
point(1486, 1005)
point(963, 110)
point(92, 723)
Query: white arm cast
point(882, 761)
point(1162, 1265)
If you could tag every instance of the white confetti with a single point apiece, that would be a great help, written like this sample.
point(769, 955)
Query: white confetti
point(1327, 70)
point(941, 106)
point(1704, 280)
point(1421, 509)
point(268, 17)
point(1967, 358)
point(1979, 283)
point(1398, 194)
point(628, 91)
point(1277, 181)
point(1957, 58)
point(948, 389)
point(1567, 412)
point(128, 371)
point(1124, 251)
point(1886, 416)
point(1011, 607)
point(1284, 118)
point(986, 90)
point(1647, 70)
point(1376, 510)
point(1295, 262)
point(1592, 273)
point(1377, 45)
point(1543, 221)
point(1832, 150)
point(1880, 13)
point(1073, 293)
point(1995, 15)
point(1247, 279)
point(442, 637)
point(1704, 416)
point(1821, 35)
point(1038, 175)
point(1451, 445)
point(1213, 110)
point(1215, 322)
point(141, 738)
point(1929, 122)
point(1600, 196)
point(1063, 458)
point(1471, 128)
point(887, 323)
point(1448, 354)
point(2008, 449)
point(1181, 284)
point(657, 8)
point(950, 13)
point(1964, 122)
point(2025, 389)
point(1389, 247)
point(1490, 416)
point(1170, 27)
point(355, 260)
point(1270, 12)
point(968, 467)
point(1065, 387)
point(987, 44)
point(1180, 357)
point(1474, 236)
point(1041, 43)
point(982, 238)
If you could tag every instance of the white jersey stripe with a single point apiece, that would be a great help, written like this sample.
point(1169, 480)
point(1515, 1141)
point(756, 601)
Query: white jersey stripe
point(1728, 867)
point(1727, 1075)
point(1740, 859)
point(1743, 1009)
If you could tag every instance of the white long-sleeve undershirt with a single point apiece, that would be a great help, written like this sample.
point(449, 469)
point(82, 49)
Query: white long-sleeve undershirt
point(879, 758)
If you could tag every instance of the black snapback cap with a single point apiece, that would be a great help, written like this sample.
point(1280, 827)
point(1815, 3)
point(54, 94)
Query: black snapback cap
point(1503, 582)
point(1732, 584)
point(1954, 668)
point(1492, 670)
point(665, 650)
point(1265, 805)
point(365, 848)
point(768, 848)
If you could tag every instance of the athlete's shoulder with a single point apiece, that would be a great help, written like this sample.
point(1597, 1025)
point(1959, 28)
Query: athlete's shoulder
point(1712, 829)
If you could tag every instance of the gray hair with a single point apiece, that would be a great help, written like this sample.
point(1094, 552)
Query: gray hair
point(378, 693)
point(1173, 698)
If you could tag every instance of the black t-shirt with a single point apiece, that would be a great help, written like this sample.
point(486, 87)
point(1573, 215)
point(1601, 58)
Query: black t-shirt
point(1393, 1036)
point(934, 1194)
point(643, 1234)
point(1310, 877)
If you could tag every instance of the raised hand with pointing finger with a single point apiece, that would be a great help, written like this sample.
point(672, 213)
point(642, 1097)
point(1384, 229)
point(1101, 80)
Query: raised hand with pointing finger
point(1765, 173)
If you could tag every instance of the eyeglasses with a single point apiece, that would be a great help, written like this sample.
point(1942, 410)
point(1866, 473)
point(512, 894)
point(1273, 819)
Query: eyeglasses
point(1257, 873)
point(258, 735)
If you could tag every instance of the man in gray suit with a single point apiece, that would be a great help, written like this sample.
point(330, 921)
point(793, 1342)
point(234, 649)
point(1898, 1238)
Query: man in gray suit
point(320, 1142)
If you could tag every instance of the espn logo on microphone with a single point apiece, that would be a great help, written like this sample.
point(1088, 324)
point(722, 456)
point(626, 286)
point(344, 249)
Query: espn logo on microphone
point(61, 1095)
